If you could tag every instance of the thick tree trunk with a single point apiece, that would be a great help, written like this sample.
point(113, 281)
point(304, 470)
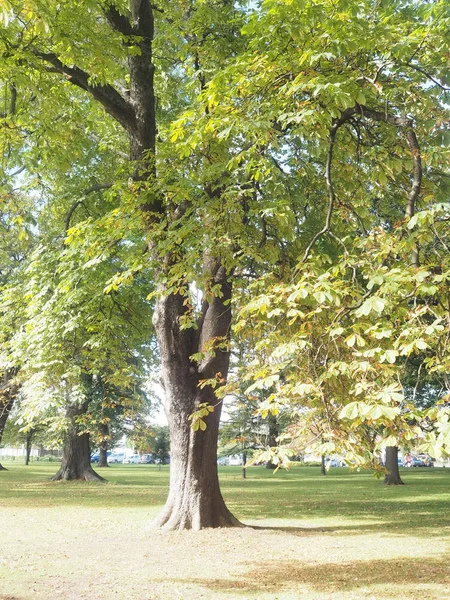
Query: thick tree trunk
point(392, 476)
point(76, 461)
point(103, 449)
point(194, 500)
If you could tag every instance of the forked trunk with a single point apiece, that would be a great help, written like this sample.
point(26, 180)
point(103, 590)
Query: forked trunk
point(76, 461)
point(194, 500)
point(392, 476)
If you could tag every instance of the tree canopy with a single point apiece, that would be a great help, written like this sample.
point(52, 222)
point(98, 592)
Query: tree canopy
point(284, 159)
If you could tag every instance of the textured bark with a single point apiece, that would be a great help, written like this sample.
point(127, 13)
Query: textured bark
point(76, 461)
point(194, 500)
point(392, 476)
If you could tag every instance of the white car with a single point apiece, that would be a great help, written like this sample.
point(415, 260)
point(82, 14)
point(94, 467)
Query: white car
point(116, 458)
point(132, 459)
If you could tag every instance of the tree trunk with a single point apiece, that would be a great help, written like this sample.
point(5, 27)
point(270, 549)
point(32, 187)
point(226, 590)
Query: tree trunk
point(244, 462)
point(8, 393)
point(76, 461)
point(323, 468)
point(392, 476)
point(274, 432)
point(194, 500)
point(30, 435)
point(103, 449)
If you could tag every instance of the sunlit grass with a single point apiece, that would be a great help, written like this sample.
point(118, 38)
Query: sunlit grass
point(344, 536)
point(299, 494)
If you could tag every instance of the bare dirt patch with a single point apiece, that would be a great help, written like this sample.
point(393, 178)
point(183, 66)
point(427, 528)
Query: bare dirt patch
point(98, 554)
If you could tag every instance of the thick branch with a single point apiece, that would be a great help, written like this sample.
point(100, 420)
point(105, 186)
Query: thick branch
point(107, 95)
point(119, 22)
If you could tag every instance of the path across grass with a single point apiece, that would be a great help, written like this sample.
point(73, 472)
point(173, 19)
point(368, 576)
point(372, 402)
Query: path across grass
point(343, 536)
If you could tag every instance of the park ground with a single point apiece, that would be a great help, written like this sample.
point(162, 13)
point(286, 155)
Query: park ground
point(342, 536)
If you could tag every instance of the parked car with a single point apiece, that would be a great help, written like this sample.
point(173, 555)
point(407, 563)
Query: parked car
point(131, 459)
point(422, 460)
point(334, 462)
point(116, 458)
point(95, 457)
point(147, 459)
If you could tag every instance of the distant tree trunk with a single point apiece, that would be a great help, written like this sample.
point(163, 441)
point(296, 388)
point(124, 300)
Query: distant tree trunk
point(392, 476)
point(8, 393)
point(76, 461)
point(323, 468)
point(244, 462)
point(103, 449)
point(274, 431)
point(29, 443)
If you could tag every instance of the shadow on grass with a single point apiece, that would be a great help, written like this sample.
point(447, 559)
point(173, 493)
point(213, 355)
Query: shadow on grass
point(273, 576)
point(340, 503)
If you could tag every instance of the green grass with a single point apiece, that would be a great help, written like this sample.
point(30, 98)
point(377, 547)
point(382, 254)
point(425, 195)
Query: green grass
point(341, 497)
point(342, 536)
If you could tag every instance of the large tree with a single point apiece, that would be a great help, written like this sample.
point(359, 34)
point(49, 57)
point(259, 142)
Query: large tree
point(230, 131)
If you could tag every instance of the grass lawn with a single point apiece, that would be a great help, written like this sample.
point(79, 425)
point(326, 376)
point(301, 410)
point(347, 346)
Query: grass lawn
point(343, 536)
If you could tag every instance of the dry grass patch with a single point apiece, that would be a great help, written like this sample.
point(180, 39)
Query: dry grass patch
point(343, 536)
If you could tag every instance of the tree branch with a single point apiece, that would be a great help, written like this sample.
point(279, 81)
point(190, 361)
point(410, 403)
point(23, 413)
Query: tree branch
point(118, 21)
point(12, 102)
point(117, 106)
point(406, 124)
point(346, 115)
point(427, 75)
point(93, 188)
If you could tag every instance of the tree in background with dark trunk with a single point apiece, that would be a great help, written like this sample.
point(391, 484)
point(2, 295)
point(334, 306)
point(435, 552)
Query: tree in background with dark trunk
point(103, 446)
point(76, 460)
point(392, 476)
point(9, 390)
